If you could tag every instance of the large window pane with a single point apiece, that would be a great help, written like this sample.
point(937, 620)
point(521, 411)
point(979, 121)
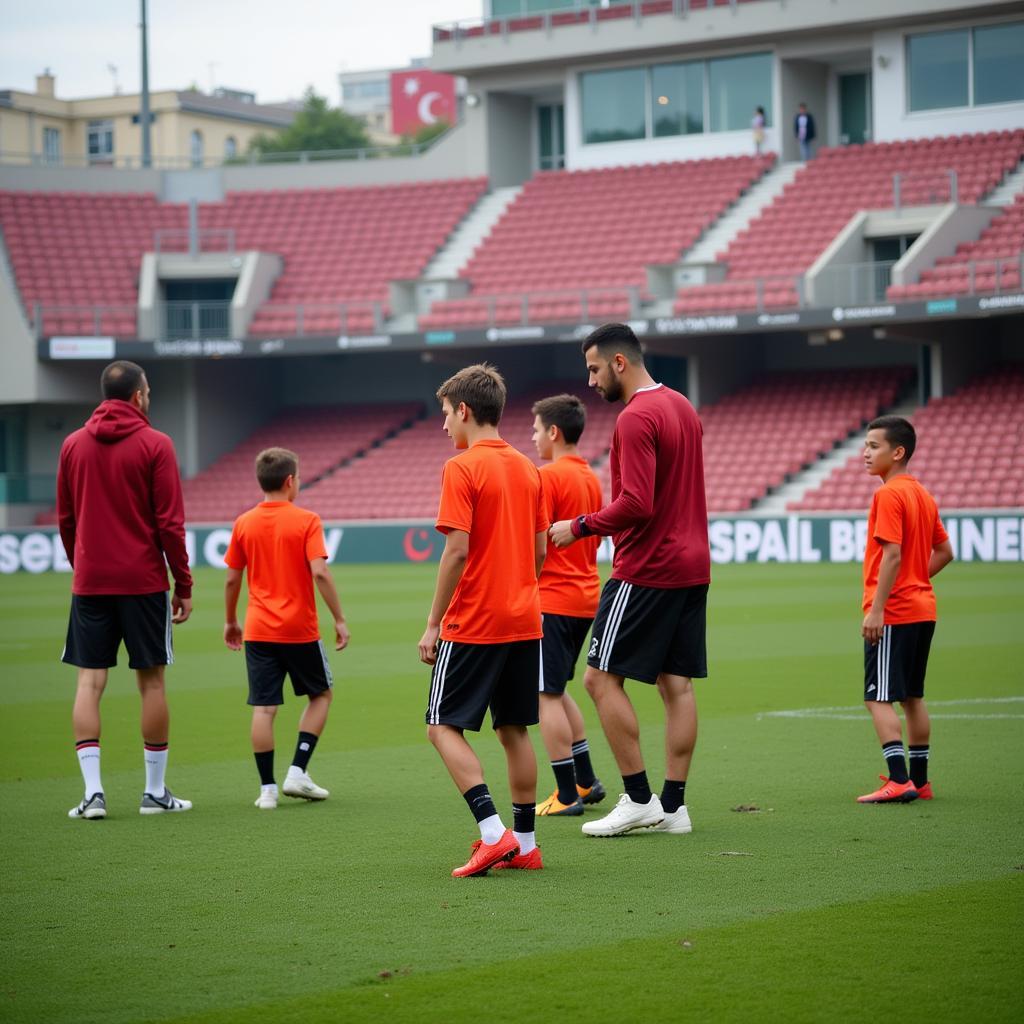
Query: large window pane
point(937, 70)
point(613, 105)
point(677, 98)
point(510, 8)
point(999, 63)
point(736, 87)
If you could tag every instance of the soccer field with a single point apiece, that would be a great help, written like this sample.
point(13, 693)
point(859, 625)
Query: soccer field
point(788, 902)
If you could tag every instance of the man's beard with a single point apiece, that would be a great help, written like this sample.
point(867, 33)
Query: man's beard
point(613, 392)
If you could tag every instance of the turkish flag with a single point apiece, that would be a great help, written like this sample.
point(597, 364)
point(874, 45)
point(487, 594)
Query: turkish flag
point(419, 98)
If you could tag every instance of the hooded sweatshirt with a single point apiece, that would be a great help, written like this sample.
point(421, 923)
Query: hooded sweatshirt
point(119, 505)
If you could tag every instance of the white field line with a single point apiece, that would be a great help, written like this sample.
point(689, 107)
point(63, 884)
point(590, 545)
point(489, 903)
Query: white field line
point(856, 711)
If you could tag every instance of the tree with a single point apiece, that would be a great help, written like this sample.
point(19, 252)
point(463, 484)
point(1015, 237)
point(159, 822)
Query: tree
point(317, 127)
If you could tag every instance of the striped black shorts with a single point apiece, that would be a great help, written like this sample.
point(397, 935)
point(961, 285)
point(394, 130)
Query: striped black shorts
point(99, 622)
point(895, 667)
point(641, 632)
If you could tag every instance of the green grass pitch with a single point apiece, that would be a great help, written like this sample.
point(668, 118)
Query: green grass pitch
point(812, 908)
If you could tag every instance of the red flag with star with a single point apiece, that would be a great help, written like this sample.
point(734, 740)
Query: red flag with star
point(420, 98)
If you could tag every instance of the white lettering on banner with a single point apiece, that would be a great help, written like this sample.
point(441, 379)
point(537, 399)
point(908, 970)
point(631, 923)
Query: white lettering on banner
point(841, 544)
point(953, 529)
point(215, 546)
point(720, 537)
point(190, 546)
point(332, 540)
point(1008, 535)
point(9, 560)
point(60, 558)
point(747, 535)
point(808, 552)
point(977, 543)
point(773, 545)
point(792, 538)
point(37, 553)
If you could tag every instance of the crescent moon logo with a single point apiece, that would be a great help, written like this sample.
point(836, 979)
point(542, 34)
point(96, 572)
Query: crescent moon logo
point(426, 115)
point(412, 552)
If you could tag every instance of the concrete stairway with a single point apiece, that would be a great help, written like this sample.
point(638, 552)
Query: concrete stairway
point(455, 253)
point(1008, 189)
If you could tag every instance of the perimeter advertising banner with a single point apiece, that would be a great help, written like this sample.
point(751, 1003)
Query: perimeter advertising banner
point(995, 537)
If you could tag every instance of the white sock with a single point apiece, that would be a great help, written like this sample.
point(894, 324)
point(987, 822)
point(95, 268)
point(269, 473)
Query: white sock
point(293, 770)
point(491, 829)
point(271, 788)
point(527, 841)
point(89, 761)
point(155, 755)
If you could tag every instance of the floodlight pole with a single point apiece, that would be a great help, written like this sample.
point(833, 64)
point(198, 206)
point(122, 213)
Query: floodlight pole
point(147, 153)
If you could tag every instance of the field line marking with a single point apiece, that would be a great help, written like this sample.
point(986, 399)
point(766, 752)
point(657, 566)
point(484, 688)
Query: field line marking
point(844, 713)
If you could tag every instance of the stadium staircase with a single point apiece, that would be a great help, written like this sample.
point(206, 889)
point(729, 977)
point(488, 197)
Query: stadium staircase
point(1008, 190)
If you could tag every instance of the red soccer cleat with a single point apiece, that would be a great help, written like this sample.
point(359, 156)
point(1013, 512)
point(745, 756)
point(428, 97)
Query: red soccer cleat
point(925, 792)
point(890, 793)
point(525, 861)
point(485, 856)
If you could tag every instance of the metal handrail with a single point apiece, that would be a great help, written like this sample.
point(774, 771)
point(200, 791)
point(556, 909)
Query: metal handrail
point(585, 295)
point(162, 235)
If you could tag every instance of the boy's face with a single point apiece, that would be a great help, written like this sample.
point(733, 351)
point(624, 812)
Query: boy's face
point(542, 438)
point(455, 422)
point(879, 455)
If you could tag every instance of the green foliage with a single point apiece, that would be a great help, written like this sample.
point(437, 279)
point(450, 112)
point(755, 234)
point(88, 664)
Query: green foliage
point(318, 127)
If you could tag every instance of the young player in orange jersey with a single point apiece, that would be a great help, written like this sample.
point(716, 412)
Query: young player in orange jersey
point(282, 548)
point(906, 547)
point(483, 630)
point(570, 589)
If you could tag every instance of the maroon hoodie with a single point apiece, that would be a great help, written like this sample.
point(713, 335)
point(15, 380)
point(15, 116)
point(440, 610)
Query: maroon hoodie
point(120, 507)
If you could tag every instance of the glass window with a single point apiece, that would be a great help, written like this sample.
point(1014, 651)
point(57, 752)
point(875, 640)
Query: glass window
point(614, 104)
point(937, 70)
point(511, 8)
point(100, 141)
point(999, 63)
point(230, 148)
point(196, 148)
point(677, 99)
point(51, 145)
point(736, 87)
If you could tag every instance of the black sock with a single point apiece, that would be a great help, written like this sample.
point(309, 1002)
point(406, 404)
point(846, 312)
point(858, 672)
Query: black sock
point(523, 817)
point(265, 766)
point(304, 750)
point(480, 802)
point(673, 795)
point(894, 758)
point(565, 778)
point(581, 759)
point(919, 764)
point(638, 789)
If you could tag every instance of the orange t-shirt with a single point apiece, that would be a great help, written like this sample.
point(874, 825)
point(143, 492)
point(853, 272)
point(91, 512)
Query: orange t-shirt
point(275, 542)
point(493, 493)
point(904, 513)
point(569, 584)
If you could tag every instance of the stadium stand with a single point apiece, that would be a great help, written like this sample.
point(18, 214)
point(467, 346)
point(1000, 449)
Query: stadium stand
point(78, 255)
point(758, 437)
point(766, 259)
point(401, 479)
point(970, 451)
point(991, 264)
point(592, 231)
point(323, 438)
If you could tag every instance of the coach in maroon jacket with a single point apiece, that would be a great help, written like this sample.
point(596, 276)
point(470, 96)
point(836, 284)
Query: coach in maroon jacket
point(650, 625)
point(121, 514)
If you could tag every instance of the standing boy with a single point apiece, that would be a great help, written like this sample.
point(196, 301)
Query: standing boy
point(650, 624)
point(569, 592)
point(906, 547)
point(282, 546)
point(483, 631)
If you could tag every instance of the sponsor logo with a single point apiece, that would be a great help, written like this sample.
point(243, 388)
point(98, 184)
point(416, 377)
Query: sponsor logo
point(639, 326)
point(594, 644)
point(513, 333)
point(269, 347)
point(777, 319)
point(81, 348)
point(365, 341)
point(439, 337)
point(417, 545)
point(939, 306)
point(695, 324)
point(191, 347)
point(841, 313)
point(1001, 302)
point(452, 627)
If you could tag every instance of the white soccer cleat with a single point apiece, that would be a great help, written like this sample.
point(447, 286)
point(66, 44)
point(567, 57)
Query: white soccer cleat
point(166, 804)
point(92, 808)
point(302, 787)
point(626, 816)
point(677, 823)
point(267, 800)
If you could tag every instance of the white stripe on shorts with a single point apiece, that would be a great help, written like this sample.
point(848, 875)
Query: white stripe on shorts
point(444, 653)
point(612, 629)
point(168, 640)
point(327, 666)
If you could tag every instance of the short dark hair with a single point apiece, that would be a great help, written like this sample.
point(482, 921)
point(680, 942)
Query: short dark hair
point(121, 379)
point(613, 338)
point(566, 412)
point(482, 388)
point(274, 466)
point(898, 433)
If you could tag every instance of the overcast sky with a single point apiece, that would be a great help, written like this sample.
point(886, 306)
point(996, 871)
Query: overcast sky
point(275, 48)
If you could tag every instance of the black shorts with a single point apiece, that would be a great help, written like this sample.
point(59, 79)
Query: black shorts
point(564, 636)
point(268, 663)
point(99, 622)
point(894, 668)
point(469, 678)
point(641, 632)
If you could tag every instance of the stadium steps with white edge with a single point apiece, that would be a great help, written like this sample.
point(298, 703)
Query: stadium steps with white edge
point(476, 226)
point(741, 213)
point(775, 503)
point(1008, 189)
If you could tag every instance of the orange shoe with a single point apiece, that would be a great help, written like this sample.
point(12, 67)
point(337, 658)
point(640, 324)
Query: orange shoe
point(890, 793)
point(526, 861)
point(925, 792)
point(592, 794)
point(553, 807)
point(486, 856)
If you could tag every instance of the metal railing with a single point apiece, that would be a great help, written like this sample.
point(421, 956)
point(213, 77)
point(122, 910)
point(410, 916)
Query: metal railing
point(197, 321)
point(323, 318)
point(924, 188)
point(853, 284)
point(518, 309)
point(184, 240)
point(102, 320)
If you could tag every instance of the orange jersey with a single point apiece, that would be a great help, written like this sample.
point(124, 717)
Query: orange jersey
point(903, 513)
point(569, 584)
point(275, 542)
point(493, 493)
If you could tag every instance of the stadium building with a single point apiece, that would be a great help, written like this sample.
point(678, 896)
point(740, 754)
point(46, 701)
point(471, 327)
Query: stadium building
point(606, 167)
